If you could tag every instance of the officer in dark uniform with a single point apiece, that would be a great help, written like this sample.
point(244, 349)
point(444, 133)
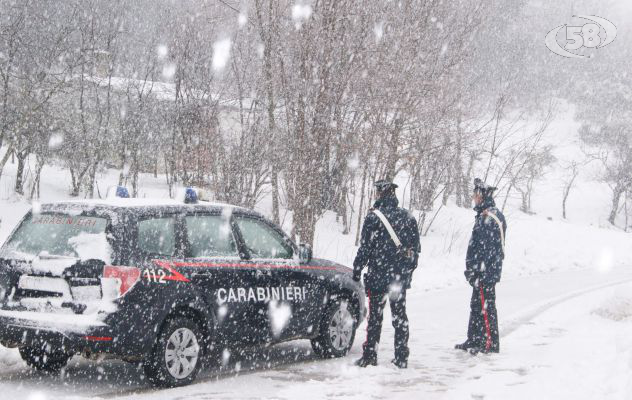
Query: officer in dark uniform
point(390, 266)
point(483, 268)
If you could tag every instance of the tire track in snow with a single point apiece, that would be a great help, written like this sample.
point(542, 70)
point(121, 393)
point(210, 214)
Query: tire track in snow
point(526, 317)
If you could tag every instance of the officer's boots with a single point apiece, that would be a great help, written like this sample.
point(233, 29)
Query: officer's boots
point(465, 345)
point(400, 363)
point(475, 350)
point(365, 361)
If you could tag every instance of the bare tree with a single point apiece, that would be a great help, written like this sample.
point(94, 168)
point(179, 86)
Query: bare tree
point(612, 144)
point(572, 169)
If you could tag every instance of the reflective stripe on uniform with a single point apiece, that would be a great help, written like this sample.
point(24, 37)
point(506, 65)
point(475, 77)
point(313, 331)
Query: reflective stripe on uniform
point(488, 332)
point(388, 227)
point(500, 226)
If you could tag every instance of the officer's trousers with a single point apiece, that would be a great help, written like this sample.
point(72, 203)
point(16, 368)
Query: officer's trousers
point(482, 330)
point(377, 302)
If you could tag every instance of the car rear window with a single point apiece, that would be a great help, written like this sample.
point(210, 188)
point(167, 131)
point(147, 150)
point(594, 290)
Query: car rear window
point(59, 235)
point(156, 236)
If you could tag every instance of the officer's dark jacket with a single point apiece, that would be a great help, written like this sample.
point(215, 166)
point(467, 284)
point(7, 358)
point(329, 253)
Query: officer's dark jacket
point(485, 253)
point(386, 265)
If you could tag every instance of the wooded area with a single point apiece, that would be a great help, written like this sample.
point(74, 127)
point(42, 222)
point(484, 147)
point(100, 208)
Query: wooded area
point(309, 103)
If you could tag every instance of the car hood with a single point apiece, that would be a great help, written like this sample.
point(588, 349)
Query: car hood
point(330, 265)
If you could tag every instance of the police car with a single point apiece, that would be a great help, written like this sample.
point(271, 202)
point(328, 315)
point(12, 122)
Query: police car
point(165, 283)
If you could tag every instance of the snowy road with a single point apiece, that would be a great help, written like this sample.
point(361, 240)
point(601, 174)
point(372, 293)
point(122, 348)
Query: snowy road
point(535, 314)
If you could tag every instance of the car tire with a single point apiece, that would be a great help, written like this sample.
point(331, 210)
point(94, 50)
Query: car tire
point(43, 360)
point(177, 355)
point(336, 331)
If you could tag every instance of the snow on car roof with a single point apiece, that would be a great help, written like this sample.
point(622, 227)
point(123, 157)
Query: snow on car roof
point(141, 202)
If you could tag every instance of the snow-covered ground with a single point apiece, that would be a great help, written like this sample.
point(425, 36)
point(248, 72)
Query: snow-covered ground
point(580, 348)
point(563, 335)
point(565, 308)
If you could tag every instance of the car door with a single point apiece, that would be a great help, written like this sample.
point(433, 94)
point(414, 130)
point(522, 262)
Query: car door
point(157, 240)
point(212, 258)
point(289, 297)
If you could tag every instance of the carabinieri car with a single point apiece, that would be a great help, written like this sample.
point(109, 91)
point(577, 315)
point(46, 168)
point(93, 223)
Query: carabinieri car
point(165, 283)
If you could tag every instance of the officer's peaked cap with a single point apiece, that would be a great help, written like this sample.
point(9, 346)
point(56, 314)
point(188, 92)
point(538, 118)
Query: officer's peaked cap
point(482, 187)
point(384, 184)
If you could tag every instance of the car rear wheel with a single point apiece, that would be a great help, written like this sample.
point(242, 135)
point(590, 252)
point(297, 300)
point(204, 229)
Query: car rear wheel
point(336, 331)
point(177, 355)
point(44, 360)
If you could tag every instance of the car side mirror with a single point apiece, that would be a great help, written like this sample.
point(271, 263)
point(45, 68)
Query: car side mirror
point(305, 253)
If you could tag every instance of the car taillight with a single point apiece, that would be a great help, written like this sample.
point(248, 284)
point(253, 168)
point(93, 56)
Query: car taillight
point(125, 277)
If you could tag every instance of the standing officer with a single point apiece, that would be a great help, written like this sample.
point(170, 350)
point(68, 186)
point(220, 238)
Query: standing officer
point(390, 249)
point(483, 267)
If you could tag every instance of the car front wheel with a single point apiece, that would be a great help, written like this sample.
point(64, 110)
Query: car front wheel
point(337, 330)
point(177, 355)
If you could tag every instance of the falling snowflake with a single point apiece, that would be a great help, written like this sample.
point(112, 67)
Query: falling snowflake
point(55, 141)
point(162, 51)
point(242, 19)
point(169, 70)
point(301, 13)
point(279, 314)
point(225, 357)
point(221, 54)
point(353, 163)
point(378, 30)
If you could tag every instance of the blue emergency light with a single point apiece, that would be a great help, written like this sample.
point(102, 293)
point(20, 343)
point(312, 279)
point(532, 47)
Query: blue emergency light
point(122, 192)
point(190, 196)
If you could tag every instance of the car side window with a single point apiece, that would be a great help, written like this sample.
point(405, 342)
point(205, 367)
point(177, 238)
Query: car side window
point(210, 236)
point(157, 236)
point(262, 240)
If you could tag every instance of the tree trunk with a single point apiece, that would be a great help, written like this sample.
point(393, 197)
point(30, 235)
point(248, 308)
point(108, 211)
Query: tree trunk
point(134, 170)
point(466, 182)
point(266, 37)
point(625, 207)
point(616, 198)
point(122, 177)
point(92, 179)
point(393, 154)
point(35, 189)
point(343, 210)
point(357, 238)
point(19, 177)
point(422, 222)
point(506, 196)
point(74, 191)
point(458, 165)
point(274, 177)
point(567, 191)
point(525, 205)
point(446, 192)
point(36, 184)
point(4, 160)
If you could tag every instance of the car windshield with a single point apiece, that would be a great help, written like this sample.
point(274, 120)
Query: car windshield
point(57, 234)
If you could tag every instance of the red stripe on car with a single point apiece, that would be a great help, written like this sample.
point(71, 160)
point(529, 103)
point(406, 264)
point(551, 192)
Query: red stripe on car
point(98, 338)
point(177, 276)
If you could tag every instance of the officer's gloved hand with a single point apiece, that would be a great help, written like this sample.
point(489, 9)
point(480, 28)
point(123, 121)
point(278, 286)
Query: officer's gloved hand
point(356, 277)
